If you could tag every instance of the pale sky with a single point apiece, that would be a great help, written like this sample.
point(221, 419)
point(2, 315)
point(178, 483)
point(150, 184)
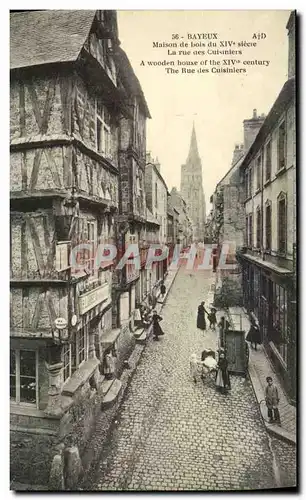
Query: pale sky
point(218, 103)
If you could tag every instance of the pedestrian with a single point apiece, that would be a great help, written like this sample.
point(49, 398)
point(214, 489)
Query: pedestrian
point(145, 316)
point(194, 367)
point(201, 322)
point(109, 364)
point(222, 377)
point(272, 400)
point(162, 289)
point(253, 335)
point(212, 318)
point(157, 331)
point(223, 327)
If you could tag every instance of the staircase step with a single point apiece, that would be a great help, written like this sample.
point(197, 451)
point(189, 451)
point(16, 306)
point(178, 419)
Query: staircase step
point(106, 385)
point(138, 332)
point(142, 338)
point(112, 394)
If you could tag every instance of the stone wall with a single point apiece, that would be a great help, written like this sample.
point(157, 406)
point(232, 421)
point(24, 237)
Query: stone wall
point(40, 448)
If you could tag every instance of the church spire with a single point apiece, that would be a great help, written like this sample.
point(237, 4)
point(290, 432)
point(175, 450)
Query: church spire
point(193, 150)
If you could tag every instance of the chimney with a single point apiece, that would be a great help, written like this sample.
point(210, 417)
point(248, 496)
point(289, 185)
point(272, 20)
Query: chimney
point(291, 44)
point(148, 157)
point(237, 154)
point(251, 128)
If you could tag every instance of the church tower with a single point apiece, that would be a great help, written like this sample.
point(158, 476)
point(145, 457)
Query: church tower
point(192, 188)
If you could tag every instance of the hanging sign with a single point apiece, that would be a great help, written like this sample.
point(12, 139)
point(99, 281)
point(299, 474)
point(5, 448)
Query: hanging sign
point(60, 323)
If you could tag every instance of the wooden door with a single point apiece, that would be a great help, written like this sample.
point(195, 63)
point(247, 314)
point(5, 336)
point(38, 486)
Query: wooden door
point(236, 351)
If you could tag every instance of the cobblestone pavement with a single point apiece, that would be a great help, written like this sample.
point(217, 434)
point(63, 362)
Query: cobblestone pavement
point(172, 434)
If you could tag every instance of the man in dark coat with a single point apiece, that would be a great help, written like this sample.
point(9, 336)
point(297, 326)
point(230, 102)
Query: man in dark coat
point(162, 289)
point(157, 331)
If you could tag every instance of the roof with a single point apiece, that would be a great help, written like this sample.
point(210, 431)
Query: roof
point(48, 36)
point(130, 79)
point(285, 96)
point(291, 20)
point(232, 169)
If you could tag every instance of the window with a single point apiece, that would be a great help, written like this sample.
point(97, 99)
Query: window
point(90, 237)
point(24, 376)
point(258, 172)
point(156, 204)
point(258, 227)
point(282, 223)
point(250, 230)
point(136, 125)
point(281, 146)
point(62, 256)
point(268, 161)
point(280, 320)
point(250, 182)
point(268, 225)
point(75, 353)
point(247, 231)
point(103, 130)
point(246, 183)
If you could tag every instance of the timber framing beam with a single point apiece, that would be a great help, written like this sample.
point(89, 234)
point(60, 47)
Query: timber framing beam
point(42, 141)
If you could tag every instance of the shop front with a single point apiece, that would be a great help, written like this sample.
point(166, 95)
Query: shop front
point(268, 296)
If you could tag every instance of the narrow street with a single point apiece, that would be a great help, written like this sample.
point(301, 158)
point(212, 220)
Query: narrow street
point(172, 434)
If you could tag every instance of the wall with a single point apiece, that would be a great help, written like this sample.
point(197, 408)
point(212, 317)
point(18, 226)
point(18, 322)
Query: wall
point(279, 183)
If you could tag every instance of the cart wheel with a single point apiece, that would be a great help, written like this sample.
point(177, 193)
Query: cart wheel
point(264, 410)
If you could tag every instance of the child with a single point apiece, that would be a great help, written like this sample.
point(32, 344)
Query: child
point(272, 400)
point(212, 318)
point(194, 367)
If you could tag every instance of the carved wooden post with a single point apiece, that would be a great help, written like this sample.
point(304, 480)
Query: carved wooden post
point(54, 366)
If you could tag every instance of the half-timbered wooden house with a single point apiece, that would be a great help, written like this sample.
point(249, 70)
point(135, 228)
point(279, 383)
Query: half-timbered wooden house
point(128, 293)
point(66, 105)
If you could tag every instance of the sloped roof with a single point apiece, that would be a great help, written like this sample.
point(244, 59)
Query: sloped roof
point(130, 79)
point(48, 36)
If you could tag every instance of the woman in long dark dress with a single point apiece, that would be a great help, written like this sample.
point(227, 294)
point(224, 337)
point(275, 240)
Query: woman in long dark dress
point(222, 378)
point(254, 336)
point(201, 322)
point(157, 331)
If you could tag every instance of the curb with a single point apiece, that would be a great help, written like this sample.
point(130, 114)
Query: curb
point(277, 432)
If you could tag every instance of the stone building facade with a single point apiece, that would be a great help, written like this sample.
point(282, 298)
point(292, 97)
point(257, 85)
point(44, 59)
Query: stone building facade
point(67, 103)
point(185, 228)
point(157, 204)
point(227, 221)
point(192, 189)
point(270, 234)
